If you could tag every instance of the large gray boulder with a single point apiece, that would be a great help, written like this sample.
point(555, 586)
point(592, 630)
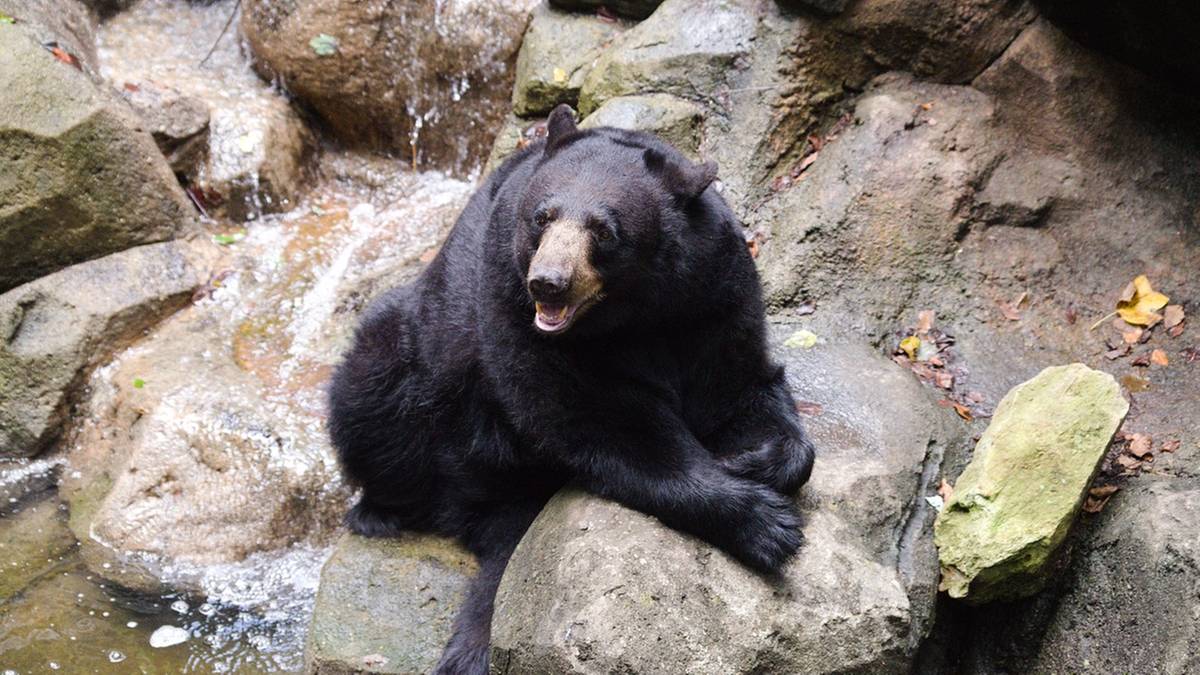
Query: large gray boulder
point(79, 180)
point(386, 605)
point(426, 80)
point(54, 330)
point(594, 587)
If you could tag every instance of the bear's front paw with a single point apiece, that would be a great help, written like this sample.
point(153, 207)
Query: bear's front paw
point(771, 534)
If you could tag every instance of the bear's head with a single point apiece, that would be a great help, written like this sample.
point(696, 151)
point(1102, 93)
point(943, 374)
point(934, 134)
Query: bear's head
point(600, 222)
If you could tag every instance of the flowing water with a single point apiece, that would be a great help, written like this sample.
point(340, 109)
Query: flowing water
point(267, 329)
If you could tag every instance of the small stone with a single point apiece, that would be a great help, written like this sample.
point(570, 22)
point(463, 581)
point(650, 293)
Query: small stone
point(1030, 472)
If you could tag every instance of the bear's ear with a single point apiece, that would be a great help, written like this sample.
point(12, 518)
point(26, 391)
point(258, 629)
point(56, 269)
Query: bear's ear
point(559, 125)
point(687, 180)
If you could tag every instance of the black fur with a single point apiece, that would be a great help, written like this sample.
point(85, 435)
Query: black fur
point(456, 416)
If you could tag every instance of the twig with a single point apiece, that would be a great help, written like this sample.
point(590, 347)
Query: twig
point(1102, 320)
point(228, 22)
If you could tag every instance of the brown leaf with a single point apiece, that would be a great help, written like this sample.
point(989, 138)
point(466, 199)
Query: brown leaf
point(805, 163)
point(752, 245)
point(1103, 490)
point(1140, 445)
point(1171, 446)
point(429, 254)
point(64, 56)
point(1114, 354)
point(1176, 331)
point(946, 491)
point(1129, 463)
point(962, 410)
point(1094, 504)
point(1072, 315)
point(1142, 360)
point(809, 409)
point(816, 142)
point(943, 379)
point(1191, 353)
point(1133, 336)
point(1173, 316)
point(1159, 358)
point(925, 319)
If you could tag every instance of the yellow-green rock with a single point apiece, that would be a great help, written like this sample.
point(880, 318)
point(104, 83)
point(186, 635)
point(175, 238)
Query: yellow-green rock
point(1014, 503)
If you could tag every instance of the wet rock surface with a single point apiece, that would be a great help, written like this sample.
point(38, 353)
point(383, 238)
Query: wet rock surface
point(1015, 502)
point(79, 181)
point(258, 149)
point(205, 443)
point(633, 9)
point(54, 331)
point(385, 606)
point(441, 109)
point(595, 587)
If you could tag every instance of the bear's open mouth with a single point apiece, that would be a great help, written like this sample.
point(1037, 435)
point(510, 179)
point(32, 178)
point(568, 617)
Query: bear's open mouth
point(555, 317)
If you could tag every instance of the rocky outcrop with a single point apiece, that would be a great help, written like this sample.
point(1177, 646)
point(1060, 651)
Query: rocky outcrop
point(943, 41)
point(79, 181)
point(676, 120)
point(441, 106)
point(595, 587)
point(53, 331)
point(253, 158)
point(1016, 501)
point(386, 605)
point(557, 53)
point(205, 444)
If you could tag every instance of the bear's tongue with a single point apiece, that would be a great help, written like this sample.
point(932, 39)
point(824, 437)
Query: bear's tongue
point(551, 315)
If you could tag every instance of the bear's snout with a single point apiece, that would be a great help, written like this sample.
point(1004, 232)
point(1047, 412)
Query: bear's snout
point(561, 279)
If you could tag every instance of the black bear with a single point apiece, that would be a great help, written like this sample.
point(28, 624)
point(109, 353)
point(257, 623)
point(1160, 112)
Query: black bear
point(594, 317)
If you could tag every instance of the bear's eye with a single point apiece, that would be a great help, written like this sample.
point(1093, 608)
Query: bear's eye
point(603, 234)
point(543, 217)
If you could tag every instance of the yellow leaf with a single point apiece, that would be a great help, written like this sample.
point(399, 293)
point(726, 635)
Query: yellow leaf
point(910, 345)
point(1141, 307)
point(560, 76)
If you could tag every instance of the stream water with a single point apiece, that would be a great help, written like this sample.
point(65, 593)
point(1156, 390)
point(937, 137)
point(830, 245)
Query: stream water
point(277, 314)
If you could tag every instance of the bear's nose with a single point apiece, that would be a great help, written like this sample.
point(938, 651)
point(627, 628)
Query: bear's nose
point(547, 284)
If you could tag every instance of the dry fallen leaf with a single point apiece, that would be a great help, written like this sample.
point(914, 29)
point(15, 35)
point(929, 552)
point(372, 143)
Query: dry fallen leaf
point(945, 491)
point(1130, 464)
point(1159, 358)
point(1141, 307)
point(962, 410)
point(1098, 497)
point(1117, 353)
point(1173, 316)
point(1171, 446)
point(1142, 360)
point(943, 379)
point(65, 56)
point(1140, 445)
point(809, 409)
point(925, 320)
point(1133, 336)
point(910, 345)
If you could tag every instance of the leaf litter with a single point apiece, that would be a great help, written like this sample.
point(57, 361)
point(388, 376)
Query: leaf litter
point(927, 352)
